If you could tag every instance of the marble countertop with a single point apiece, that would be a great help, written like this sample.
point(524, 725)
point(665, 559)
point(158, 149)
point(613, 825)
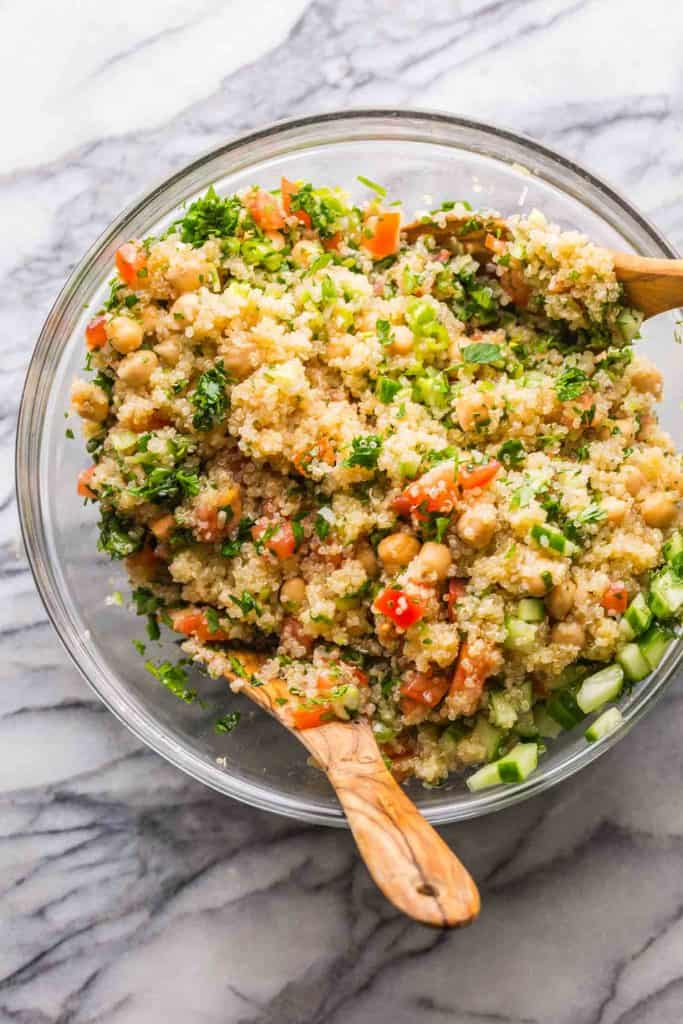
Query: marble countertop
point(129, 893)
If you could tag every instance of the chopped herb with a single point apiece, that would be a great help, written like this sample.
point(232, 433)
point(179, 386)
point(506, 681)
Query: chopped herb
point(324, 521)
point(146, 603)
point(298, 531)
point(365, 451)
point(328, 292)
point(227, 723)
point(372, 185)
point(482, 353)
point(69, 433)
point(118, 536)
point(322, 207)
point(139, 647)
point(153, 631)
point(209, 398)
point(387, 389)
point(247, 602)
point(383, 329)
point(211, 616)
point(174, 678)
point(105, 381)
point(571, 383)
point(231, 548)
point(582, 453)
point(209, 217)
point(512, 453)
point(167, 484)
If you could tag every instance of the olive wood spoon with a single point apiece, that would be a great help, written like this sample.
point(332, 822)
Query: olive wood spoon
point(650, 285)
point(407, 858)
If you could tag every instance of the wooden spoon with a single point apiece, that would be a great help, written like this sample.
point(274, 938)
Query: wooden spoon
point(407, 858)
point(650, 285)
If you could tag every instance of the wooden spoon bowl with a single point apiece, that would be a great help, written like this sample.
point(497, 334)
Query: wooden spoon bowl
point(407, 858)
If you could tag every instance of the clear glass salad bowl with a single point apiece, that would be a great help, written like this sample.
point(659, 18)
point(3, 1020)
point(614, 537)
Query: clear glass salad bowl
point(422, 158)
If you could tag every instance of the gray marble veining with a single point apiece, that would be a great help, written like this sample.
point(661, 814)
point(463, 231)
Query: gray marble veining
point(128, 893)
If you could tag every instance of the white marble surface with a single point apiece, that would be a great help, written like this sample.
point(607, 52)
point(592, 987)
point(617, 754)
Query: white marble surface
point(130, 894)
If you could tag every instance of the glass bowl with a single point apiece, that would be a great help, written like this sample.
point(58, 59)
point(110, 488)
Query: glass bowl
point(424, 158)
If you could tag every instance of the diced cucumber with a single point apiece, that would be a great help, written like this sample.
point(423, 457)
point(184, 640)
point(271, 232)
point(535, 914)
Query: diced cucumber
point(552, 540)
point(382, 732)
point(666, 594)
point(674, 546)
point(347, 701)
point(525, 726)
point(638, 616)
point(654, 644)
point(629, 323)
point(546, 726)
point(502, 711)
point(531, 609)
point(562, 707)
point(602, 686)
point(570, 675)
point(607, 722)
point(488, 736)
point(626, 633)
point(516, 766)
point(633, 663)
point(521, 636)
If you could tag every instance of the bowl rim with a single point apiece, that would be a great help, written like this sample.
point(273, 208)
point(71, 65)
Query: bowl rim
point(29, 506)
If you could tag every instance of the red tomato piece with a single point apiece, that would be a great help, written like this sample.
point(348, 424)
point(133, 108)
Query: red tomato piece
point(478, 476)
point(332, 243)
point(615, 599)
point(403, 611)
point(311, 718)
point(130, 260)
point(95, 333)
point(385, 234)
point(82, 487)
point(288, 189)
point(265, 209)
point(456, 590)
point(468, 680)
point(282, 542)
point(434, 491)
point(425, 689)
point(193, 622)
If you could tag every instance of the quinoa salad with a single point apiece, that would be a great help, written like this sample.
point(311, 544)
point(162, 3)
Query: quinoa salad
point(423, 476)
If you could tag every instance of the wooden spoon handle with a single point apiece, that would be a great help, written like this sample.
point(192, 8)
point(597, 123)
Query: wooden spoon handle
point(407, 858)
point(651, 285)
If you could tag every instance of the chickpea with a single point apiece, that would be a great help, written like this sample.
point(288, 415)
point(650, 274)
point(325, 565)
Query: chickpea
point(191, 274)
point(397, 550)
point(615, 510)
point(634, 481)
point(124, 334)
point(560, 600)
point(293, 592)
point(403, 340)
point(168, 351)
point(473, 409)
point(185, 310)
point(434, 560)
point(659, 509)
point(477, 525)
point(241, 357)
point(366, 557)
point(570, 634)
point(89, 400)
point(136, 369)
point(646, 377)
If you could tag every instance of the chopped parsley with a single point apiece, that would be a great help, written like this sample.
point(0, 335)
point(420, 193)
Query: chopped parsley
point(512, 453)
point(168, 484)
point(482, 353)
point(383, 329)
point(365, 451)
point(227, 723)
point(231, 548)
point(118, 536)
point(321, 206)
point(387, 389)
point(247, 603)
point(209, 397)
point(174, 678)
point(571, 383)
point(372, 185)
point(209, 217)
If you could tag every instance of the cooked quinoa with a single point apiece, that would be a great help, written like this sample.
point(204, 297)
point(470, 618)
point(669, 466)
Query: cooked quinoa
point(426, 479)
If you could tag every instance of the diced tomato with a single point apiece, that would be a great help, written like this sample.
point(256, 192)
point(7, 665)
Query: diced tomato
point(287, 190)
point(95, 333)
point(163, 527)
point(434, 491)
point(217, 512)
point(494, 244)
point(362, 678)
point(425, 689)
point(403, 611)
point(615, 599)
point(193, 622)
point(321, 451)
point(282, 543)
point(468, 680)
point(265, 209)
point(384, 237)
point(84, 478)
point(130, 260)
point(332, 243)
point(456, 590)
point(478, 476)
point(311, 718)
